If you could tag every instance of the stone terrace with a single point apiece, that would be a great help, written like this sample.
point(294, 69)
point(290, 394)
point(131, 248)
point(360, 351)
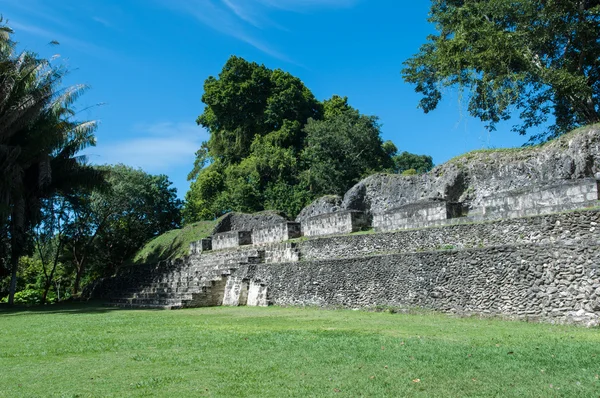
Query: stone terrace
point(448, 256)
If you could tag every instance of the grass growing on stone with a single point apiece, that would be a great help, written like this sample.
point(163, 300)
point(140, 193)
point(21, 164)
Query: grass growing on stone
point(88, 351)
point(173, 244)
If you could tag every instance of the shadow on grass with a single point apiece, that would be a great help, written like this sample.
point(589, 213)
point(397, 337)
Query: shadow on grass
point(89, 307)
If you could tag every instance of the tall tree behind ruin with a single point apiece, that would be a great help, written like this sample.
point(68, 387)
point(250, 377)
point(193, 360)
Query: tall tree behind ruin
point(537, 58)
point(267, 131)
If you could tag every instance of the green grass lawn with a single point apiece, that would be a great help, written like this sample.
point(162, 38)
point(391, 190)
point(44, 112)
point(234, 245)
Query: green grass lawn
point(92, 351)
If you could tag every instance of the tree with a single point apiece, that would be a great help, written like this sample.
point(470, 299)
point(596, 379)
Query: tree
point(39, 139)
point(247, 100)
point(255, 117)
point(342, 148)
point(108, 226)
point(538, 57)
point(273, 146)
point(409, 161)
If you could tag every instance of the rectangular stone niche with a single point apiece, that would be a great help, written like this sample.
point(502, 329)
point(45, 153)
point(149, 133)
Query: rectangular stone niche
point(276, 233)
point(416, 215)
point(200, 246)
point(226, 240)
point(341, 222)
point(541, 199)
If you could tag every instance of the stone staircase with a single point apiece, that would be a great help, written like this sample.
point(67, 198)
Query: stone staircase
point(196, 281)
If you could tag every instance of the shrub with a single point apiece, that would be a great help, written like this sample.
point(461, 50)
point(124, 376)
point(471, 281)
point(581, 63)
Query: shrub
point(27, 297)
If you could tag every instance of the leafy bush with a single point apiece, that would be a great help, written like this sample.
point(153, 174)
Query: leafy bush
point(27, 297)
point(410, 172)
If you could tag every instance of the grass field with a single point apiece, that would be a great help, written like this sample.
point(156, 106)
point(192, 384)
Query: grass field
point(92, 351)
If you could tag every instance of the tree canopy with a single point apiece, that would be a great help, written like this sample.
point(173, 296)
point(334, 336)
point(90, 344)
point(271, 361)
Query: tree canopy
point(539, 58)
point(93, 233)
point(274, 146)
point(342, 148)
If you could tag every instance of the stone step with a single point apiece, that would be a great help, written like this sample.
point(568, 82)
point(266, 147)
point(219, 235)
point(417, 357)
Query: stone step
point(144, 306)
point(160, 296)
point(161, 290)
point(147, 301)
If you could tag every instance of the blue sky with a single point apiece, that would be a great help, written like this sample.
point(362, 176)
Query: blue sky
point(146, 60)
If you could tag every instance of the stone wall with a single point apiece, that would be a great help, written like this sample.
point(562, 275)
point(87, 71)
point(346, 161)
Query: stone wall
point(226, 240)
point(323, 205)
point(566, 195)
point(276, 233)
point(413, 215)
point(568, 227)
point(281, 252)
point(343, 222)
point(200, 246)
point(541, 267)
point(247, 222)
point(478, 175)
point(553, 281)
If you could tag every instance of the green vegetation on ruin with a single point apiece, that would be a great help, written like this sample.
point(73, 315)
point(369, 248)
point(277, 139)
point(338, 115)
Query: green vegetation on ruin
point(561, 141)
point(89, 351)
point(173, 244)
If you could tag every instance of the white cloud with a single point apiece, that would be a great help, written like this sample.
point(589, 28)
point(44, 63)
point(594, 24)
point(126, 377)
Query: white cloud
point(102, 21)
point(221, 18)
point(243, 12)
point(303, 5)
point(242, 19)
point(156, 148)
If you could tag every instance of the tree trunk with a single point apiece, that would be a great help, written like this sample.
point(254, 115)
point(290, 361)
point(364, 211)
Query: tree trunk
point(48, 284)
point(80, 269)
point(16, 246)
point(14, 261)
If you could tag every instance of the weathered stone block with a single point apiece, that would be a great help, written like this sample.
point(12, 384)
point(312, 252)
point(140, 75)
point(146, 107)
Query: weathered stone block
point(276, 233)
point(542, 199)
point(342, 222)
point(415, 215)
point(257, 295)
point(200, 246)
point(226, 240)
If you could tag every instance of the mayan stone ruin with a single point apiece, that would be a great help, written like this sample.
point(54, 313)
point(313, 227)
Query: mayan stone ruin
point(513, 233)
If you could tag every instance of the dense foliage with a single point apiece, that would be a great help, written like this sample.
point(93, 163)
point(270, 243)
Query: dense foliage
point(274, 146)
point(94, 233)
point(39, 140)
point(537, 57)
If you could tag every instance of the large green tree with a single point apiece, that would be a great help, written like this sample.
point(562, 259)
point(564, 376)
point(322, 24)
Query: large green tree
point(255, 117)
point(274, 146)
point(247, 100)
point(538, 58)
point(342, 148)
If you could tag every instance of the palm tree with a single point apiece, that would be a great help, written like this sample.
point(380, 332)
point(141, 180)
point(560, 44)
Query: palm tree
point(39, 141)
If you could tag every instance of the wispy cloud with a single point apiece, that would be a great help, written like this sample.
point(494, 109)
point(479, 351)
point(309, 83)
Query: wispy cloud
point(244, 19)
point(304, 5)
point(36, 9)
point(243, 12)
point(156, 148)
point(80, 45)
point(102, 21)
point(221, 17)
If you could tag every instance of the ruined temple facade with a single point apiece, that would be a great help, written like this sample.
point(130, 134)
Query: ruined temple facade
point(509, 233)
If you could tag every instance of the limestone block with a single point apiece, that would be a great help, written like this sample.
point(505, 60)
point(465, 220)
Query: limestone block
point(342, 222)
point(276, 233)
point(226, 240)
point(200, 246)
